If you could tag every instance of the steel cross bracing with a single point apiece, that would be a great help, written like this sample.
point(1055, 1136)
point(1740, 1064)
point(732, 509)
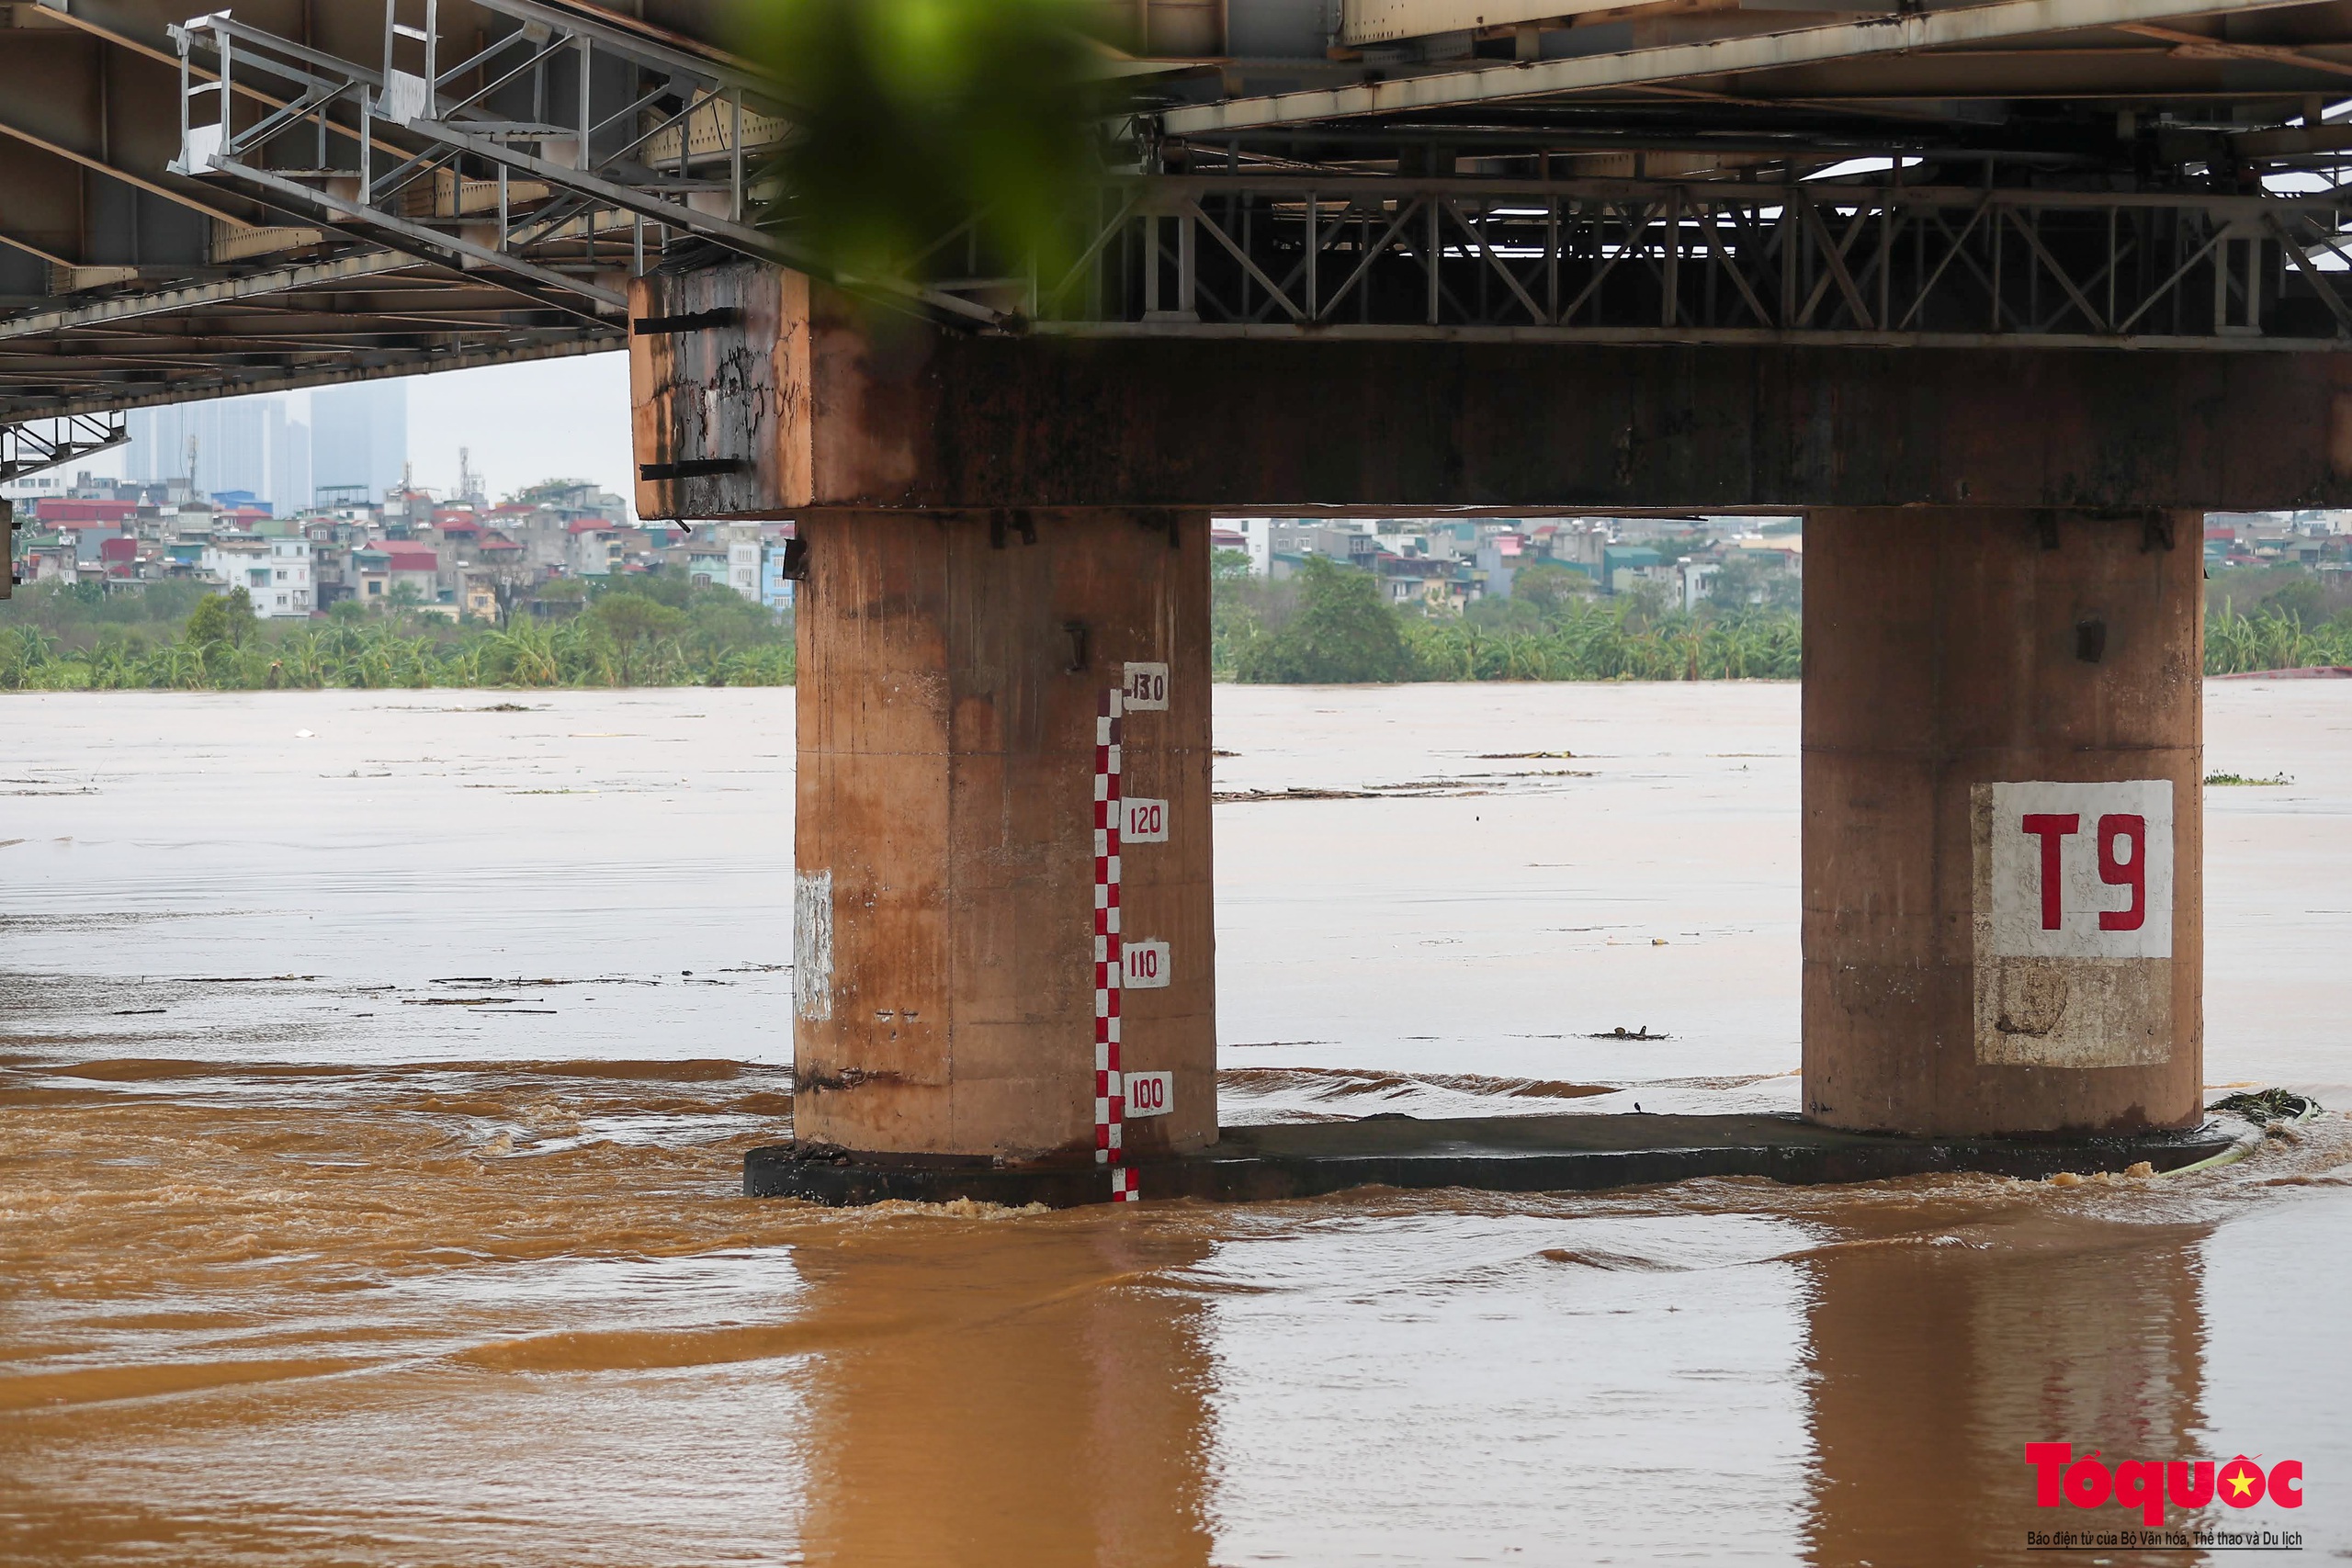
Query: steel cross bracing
point(1706, 261)
point(333, 193)
point(564, 156)
point(34, 444)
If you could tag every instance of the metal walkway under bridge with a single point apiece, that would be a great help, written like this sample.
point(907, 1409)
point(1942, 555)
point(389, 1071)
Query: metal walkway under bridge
point(296, 193)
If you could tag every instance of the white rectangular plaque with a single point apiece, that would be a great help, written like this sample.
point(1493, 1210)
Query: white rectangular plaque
point(1146, 967)
point(2077, 870)
point(1146, 821)
point(1151, 1094)
point(2073, 911)
point(1144, 688)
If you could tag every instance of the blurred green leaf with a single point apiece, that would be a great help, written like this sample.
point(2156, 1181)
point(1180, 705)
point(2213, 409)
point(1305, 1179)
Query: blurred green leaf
point(912, 116)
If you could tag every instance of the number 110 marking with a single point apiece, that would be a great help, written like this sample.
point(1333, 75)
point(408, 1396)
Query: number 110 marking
point(1146, 967)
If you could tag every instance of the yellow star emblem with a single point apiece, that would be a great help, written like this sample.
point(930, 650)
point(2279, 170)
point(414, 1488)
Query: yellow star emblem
point(2240, 1483)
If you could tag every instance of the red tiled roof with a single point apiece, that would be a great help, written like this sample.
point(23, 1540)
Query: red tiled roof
point(57, 508)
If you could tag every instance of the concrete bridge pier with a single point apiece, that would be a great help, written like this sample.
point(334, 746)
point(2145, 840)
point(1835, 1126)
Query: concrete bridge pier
point(2003, 922)
point(952, 666)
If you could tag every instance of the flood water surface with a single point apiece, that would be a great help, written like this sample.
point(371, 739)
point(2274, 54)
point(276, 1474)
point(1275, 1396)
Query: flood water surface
point(376, 1069)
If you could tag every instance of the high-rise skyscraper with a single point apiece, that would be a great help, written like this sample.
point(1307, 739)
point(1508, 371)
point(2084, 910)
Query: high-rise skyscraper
point(230, 443)
point(235, 444)
point(359, 439)
point(290, 468)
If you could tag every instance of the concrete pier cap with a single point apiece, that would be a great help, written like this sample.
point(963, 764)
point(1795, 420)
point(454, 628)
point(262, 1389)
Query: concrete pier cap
point(2003, 643)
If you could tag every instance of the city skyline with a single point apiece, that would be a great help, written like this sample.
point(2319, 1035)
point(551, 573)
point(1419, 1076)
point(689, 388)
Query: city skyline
point(225, 445)
point(522, 423)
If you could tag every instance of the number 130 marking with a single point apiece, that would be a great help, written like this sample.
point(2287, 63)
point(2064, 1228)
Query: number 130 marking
point(1145, 688)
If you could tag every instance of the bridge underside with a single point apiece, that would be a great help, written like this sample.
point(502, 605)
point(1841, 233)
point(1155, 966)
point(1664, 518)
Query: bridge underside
point(2006, 572)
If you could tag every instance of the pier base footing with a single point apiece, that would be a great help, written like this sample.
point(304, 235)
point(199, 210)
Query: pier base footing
point(1496, 1154)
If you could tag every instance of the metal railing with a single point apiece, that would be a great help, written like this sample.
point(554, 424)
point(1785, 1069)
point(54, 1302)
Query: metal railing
point(564, 156)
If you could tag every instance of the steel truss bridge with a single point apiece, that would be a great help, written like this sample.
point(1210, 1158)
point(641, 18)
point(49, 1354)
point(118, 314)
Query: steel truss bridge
point(1697, 261)
point(296, 193)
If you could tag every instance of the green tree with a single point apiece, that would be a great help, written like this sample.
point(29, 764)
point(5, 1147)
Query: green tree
point(631, 619)
point(1240, 605)
point(221, 620)
point(1644, 604)
point(1549, 588)
point(1343, 630)
point(1743, 581)
point(2301, 601)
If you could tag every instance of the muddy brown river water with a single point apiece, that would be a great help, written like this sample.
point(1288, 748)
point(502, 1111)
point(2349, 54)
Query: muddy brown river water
point(375, 1071)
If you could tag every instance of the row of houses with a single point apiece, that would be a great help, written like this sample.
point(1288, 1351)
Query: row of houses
point(2317, 539)
point(409, 551)
point(1445, 565)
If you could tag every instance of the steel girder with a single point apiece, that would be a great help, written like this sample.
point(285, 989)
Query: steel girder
point(1700, 261)
point(406, 187)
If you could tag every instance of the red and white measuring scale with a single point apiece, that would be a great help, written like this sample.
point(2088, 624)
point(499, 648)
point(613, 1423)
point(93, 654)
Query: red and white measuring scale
point(1110, 955)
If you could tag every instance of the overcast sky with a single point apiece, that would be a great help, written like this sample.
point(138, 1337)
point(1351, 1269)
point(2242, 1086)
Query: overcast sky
point(542, 420)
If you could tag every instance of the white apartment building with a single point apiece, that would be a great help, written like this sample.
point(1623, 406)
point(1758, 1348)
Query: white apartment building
point(274, 573)
point(743, 558)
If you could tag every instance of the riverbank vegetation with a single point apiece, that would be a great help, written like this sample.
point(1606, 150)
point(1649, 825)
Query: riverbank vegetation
point(1332, 623)
point(654, 632)
point(1329, 624)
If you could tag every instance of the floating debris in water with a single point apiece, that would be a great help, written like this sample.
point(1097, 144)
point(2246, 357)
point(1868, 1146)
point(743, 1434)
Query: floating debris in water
point(2269, 1105)
point(2242, 779)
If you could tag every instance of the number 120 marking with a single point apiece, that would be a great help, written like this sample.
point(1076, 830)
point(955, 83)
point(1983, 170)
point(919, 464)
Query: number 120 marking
point(1146, 821)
